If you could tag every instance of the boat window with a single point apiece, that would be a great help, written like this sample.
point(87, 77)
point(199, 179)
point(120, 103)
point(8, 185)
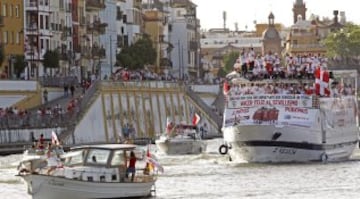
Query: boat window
point(73, 158)
point(118, 158)
point(98, 156)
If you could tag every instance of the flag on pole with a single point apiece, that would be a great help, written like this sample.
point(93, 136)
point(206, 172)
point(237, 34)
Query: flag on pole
point(151, 163)
point(322, 78)
point(54, 138)
point(226, 88)
point(169, 125)
point(196, 119)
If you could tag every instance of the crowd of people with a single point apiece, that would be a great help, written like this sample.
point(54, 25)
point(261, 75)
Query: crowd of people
point(45, 116)
point(271, 66)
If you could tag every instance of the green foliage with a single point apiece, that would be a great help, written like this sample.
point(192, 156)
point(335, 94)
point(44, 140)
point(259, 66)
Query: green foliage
point(229, 61)
point(222, 72)
point(137, 55)
point(19, 65)
point(344, 43)
point(51, 59)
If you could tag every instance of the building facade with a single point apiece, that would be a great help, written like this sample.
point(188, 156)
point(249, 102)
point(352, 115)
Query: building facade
point(271, 38)
point(12, 35)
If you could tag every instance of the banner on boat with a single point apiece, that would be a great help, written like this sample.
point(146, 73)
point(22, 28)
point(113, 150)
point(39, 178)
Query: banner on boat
point(293, 116)
point(238, 100)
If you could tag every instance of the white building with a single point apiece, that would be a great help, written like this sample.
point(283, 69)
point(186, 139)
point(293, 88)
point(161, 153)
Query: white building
point(37, 33)
point(109, 39)
point(61, 24)
point(184, 36)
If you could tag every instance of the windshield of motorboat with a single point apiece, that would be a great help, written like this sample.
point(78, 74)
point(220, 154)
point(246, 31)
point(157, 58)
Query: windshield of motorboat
point(98, 156)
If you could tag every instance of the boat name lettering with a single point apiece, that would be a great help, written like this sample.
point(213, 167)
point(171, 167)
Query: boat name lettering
point(284, 151)
point(55, 183)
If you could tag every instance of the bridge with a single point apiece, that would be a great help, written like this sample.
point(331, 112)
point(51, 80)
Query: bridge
point(108, 109)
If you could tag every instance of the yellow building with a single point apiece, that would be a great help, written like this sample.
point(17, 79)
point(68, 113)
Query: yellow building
point(261, 27)
point(11, 30)
point(154, 27)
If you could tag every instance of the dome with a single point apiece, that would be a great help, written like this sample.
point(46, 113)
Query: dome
point(270, 33)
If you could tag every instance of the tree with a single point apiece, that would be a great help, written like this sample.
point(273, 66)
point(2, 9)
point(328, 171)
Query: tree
point(229, 61)
point(344, 43)
point(19, 65)
point(137, 55)
point(51, 60)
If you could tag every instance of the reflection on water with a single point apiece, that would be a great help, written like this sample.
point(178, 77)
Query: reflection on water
point(212, 176)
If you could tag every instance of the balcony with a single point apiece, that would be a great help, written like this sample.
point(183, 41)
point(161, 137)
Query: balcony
point(96, 27)
point(193, 45)
point(37, 5)
point(95, 52)
point(82, 21)
point(32, 29)
point(66, 32)
point(95, 5)
point(98, 52)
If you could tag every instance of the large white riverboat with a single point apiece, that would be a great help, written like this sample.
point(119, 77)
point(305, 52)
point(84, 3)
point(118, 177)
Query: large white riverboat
point(291, 120)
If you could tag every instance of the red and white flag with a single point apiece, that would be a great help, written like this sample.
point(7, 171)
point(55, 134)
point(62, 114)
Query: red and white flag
point(169, 125)
point(226, 88)
point(196, 119)
point(322, 78)
point(152, 163)
point(54, 138)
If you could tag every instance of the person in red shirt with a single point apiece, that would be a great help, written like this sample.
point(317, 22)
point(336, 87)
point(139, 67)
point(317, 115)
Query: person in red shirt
point(41, 142)
point(131, 168)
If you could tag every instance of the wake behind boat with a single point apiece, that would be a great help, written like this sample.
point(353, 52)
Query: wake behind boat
point(180, 139)
point(295, 115)
point(91, 171)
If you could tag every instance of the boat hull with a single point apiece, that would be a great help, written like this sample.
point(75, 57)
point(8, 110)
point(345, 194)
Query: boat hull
point(52, 187)
point(291, 144)
point(180, 147)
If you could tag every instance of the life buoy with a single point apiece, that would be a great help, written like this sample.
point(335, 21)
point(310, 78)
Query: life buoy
point(223, 149)
point(324, 157)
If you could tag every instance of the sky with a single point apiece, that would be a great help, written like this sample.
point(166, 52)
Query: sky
point(210, 12)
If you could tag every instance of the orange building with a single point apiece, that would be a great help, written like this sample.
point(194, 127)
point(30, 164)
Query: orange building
point(12, 34)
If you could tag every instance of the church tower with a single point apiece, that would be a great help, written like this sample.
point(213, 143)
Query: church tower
point(271, 38)
point(299, 9)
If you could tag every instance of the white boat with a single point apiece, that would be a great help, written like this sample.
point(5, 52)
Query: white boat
point(91, 171)
point(291, 127)
point(182, 140)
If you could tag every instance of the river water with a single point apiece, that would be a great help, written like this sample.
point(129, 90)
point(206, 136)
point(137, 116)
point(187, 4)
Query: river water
point(212, 176)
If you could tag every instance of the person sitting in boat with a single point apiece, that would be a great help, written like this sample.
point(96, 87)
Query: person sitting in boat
point(52, 161)
point(58, 148)
point(41, 142)
point(131, 168)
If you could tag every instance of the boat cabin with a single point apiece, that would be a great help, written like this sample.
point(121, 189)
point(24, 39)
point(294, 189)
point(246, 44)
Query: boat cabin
point(104, 163)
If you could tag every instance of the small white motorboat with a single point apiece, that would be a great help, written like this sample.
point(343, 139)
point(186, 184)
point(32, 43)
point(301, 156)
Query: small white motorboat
point(90, 171)
point(183, 139)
